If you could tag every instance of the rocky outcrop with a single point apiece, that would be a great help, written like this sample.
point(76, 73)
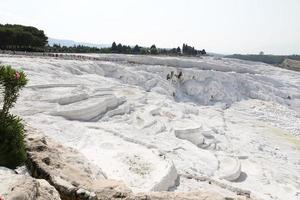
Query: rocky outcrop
point(76, 179)
point(21, 187)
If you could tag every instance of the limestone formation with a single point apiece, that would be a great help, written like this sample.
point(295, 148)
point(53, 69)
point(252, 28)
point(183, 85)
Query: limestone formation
point(76, 179)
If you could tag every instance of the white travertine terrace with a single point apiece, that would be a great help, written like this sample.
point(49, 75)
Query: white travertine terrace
point(233, 121)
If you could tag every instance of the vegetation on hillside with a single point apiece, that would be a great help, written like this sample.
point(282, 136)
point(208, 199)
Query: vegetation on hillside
point(269, 59)
point(22, 38)
point(12, 150)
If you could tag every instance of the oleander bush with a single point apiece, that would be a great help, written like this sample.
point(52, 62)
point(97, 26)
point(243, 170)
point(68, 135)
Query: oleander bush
point(12, 149)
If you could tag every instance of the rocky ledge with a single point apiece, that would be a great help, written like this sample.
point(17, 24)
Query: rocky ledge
point(58, 172)
point(15, 186)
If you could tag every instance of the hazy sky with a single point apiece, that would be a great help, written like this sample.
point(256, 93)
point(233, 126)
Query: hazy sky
point(223, 26)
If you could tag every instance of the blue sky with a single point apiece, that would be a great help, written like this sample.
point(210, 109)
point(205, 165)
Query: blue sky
point(222, 26)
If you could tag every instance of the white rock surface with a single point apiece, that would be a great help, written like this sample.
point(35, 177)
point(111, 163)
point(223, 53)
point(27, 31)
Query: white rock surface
point(71, 174)
point(123, 115)
point(229, 168)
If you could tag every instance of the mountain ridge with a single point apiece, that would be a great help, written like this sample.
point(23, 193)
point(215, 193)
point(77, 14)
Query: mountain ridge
point(70, 43)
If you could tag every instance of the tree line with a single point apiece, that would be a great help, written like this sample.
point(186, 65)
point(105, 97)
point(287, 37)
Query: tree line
point(22, 38)
point(56, 48)
point(28, 38)
point(189, 50)
point(125, 49)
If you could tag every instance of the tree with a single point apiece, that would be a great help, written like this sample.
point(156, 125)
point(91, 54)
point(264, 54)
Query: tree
point(114, 47)
point(178, 50)
point(203, 52)
point(136, 49)
point(183, 48)
point(119, 48)
point(153, 49)
point(188, 50)
point(173, 51)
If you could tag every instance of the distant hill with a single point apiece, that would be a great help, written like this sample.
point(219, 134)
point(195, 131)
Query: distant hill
point(291, 64)
point(71, 43)
point(269, 59)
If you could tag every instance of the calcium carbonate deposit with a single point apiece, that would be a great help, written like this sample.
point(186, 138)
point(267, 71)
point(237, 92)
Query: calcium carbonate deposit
point(166, 123)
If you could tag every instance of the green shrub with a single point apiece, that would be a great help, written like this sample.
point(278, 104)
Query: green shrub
point(12, 150)
point(12, 82)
